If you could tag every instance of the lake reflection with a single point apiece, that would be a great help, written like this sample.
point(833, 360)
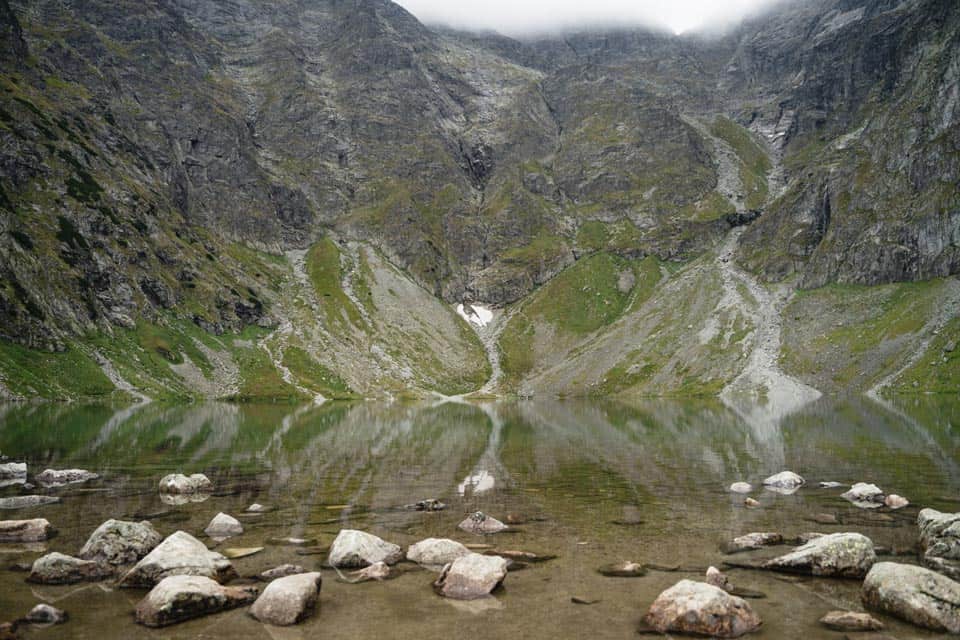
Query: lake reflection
point(593, 481)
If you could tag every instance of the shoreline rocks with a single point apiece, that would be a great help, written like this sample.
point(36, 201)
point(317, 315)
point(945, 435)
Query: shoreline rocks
point(471, 576)
point(35, 530)
point(287, 600)
point(178, 598)
point(915, 594)
point(179, 554)
point(841, 555)
point(702, 609)
point(120, 542)
point(353, 549)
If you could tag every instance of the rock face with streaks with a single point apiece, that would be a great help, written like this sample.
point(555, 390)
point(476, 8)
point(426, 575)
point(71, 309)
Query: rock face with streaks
point(179, 554)
point(919, 596)
point(701, 609)
point(178, 598)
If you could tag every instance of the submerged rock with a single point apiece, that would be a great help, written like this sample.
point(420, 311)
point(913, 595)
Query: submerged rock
point(177, 483)
point(59, 568)
point(750, 502)
point(58, 478)
point(865, 496)
point(120, 542)
point(223, 526)
point(22, 502)
point(182, 597)
point(257, 508)
point(915, 594)
point(35, 530)
point(436, 552)
point(893, 501)
point(831, 485)
point(702, 609)
point(481, 524)
point(850, 621)
point(471, 576)
point(45, 614)
point(784, 482)
point(844, 555)
point(625, 569)
point(426, 505)
point(940, 541)
point(13, 470)
point(287, 600)
point(741, 487)
point(282, 571)
point(179, 554)
point(752, 541)
point(377, 571)
point(357, 549)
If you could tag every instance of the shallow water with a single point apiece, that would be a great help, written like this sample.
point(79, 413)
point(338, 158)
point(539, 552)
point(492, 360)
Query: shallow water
point(581, 474)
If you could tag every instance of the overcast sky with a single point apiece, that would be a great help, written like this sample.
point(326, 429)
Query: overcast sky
point(520, 17)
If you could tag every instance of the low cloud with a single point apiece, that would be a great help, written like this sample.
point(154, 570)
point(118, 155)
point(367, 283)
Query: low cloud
point(531, 17)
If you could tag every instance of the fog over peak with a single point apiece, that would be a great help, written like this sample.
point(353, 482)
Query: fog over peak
point(531, 17)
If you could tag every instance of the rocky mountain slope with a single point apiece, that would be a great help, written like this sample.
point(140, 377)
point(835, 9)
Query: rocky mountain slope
point(250, 200)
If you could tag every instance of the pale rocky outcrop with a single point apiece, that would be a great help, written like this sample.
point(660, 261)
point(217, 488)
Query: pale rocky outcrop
point(940, 541)
point(223, 526)
point(482, 524)
point(177, 483)
point(843, 555)
point(35, 530)
point(57, 478)
point(59, 568)
point(436, 552)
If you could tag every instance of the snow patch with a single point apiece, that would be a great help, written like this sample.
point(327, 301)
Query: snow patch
point(475, 314)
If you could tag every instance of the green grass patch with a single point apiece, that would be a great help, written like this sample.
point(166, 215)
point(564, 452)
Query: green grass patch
point(315, 376)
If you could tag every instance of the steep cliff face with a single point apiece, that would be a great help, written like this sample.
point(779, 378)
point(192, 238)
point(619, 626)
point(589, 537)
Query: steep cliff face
point(161, 159)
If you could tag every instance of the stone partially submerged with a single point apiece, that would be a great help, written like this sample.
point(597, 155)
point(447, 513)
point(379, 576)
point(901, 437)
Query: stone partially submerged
point(353, 549)
point(223, 526)
point(940, 541)
point(850, 621)
point(915, 594)
point(436, 552)
point(179, 554)
point(287, 600)
point(23, 502)
point(840, 555)
point(865, 496)
point(59, 568)
point(13, 470)
point(785, 482)
point(752, 541)
point(58, 478)
point(35, 530)
point(481, 524)
point(177, 483)
point(120, 542)
point(45, 614)
point(471, 576)
point(178, 598)
point(702, 609)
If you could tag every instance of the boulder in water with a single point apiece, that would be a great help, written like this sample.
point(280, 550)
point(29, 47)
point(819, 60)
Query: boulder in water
point(120, 542)
point(59, 568)
point(741, 487)
point(784, 482)
point(179, 554)
point(182, 597)
point(940, 541)
point(23, 502)
point(35, 530)
point(481, 524)
point(357, 549)
point(436, 552)
point(45, 614)
point(177, 483)
point(915, 594)
point(287, 600)
point(223, 526)
point(841, 555)
point(471, 576)
point(850, 621)
point(702, 609)
point(58, 478)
